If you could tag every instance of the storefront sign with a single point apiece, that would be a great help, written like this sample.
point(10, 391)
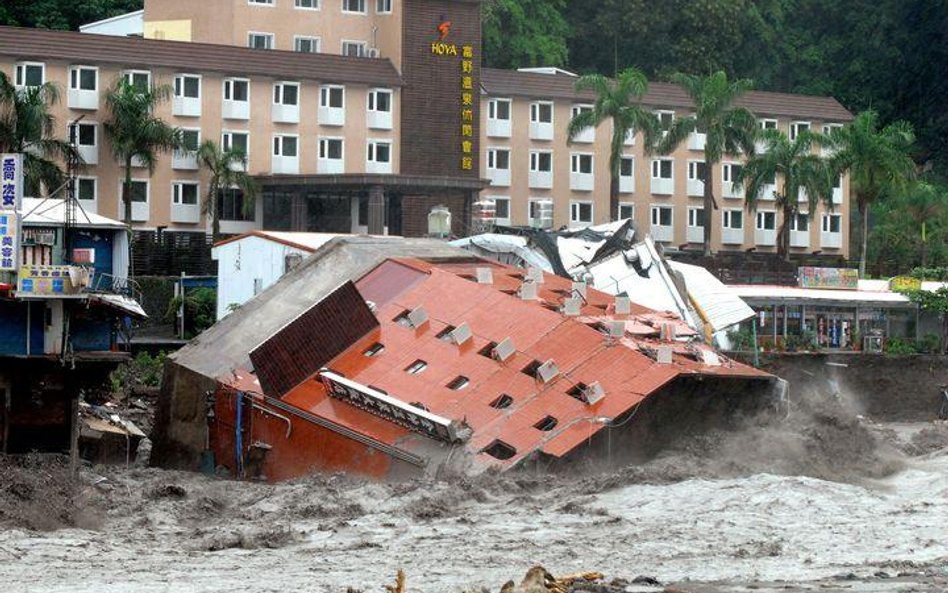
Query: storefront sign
point(830, 278)
point(904, 284)
point(52, 280)
point(394, 410)
point(11, 182)
point(9, 241)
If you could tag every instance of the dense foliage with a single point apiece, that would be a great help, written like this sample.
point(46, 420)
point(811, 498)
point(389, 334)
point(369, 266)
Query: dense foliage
point(62, 14)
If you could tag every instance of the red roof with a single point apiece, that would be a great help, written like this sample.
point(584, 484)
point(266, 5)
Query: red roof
point(625, 368)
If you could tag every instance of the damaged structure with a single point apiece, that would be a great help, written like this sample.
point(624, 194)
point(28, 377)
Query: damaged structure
point(391, 357)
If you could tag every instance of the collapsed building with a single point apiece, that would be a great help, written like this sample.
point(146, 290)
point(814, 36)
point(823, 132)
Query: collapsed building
point(392, 357)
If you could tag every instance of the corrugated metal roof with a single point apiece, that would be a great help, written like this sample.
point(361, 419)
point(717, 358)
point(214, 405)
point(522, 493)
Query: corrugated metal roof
point(718, 305)
point(512, 83)
point(763, 292)
point(136, 52)
point(51, 212)
point(305, 241)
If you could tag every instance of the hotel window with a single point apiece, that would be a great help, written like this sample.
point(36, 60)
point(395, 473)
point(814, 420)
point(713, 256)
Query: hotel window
point(285, 146)
point(541, 161)
point(380, 100)
point(732, 219)
point(84, 78)
point(309, 4)
point(184, 192)
point(332, 97)
point(30, 74)
point(662, 169)
point(581, 163)
point(378, 152)
point(230, 206)
point(832, 223)
point(331, 149)
point(353, 49)
point(260, 40)
point(626, 210)
point(498, 109)
point(581, 212)
point(86, 188)
point(766, 221)
point(498, 158)
point(665, 119)
point(187, 86)
point(541, 112)
point(85, 134)
point(800, 222)
point(730, 172)
point(696, 217)
point(797, 127)
point(286, 93)
point(138, 192)
point(696, 171)
point(190, 139)
point(502, 211)
point(767, 124)
point(306, 45)
point(139, 79)
point(357, 6)
point(236, 89)
point(540, 212)
point(236, 141)
point(627, 175)
point(661, 216)
point(261, 2)
point(383, 6)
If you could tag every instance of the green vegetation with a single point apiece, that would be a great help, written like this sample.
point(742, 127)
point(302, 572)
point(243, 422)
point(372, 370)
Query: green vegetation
point(26, 126)
point(935, 301)
point(62, 14)
point(142, 371)
point(728, 129)
point(226, 171)
point(200, 310)
point(617, 103)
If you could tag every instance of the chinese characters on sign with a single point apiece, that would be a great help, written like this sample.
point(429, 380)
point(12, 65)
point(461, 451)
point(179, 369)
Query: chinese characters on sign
point(468, 94)
point(52, 280)
point(832, 278)
point(11, 195)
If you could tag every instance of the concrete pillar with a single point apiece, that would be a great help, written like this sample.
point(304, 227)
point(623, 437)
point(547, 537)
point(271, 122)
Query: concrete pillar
point(376, 210)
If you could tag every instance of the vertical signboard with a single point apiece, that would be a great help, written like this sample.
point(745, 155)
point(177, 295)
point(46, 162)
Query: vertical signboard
point(11, 197)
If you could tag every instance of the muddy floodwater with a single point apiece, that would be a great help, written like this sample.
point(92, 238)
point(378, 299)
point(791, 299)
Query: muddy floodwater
point(151, 531)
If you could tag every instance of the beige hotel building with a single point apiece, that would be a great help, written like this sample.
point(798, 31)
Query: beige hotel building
point(376, 116)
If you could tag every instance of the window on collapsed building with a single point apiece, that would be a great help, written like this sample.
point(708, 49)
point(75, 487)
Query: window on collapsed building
point(546, 424)
point(502, 402)
point(373, 350)
point(499, 450)
point(416, 367)
point(459, 383)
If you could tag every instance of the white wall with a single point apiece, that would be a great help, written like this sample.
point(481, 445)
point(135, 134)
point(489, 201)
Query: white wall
point(243, 261)
point(121, 26)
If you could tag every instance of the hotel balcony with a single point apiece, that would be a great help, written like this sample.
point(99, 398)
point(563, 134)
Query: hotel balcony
point(289, 165)
point(186, 106)
point(379, 120)
point(626, 184)
point(587, 136)
point(235, 110)
point(332, 116)
point(695, 234)
point(662, 233)
point(186, 213)
point(541, 179)
point(731, 236)
point(831, 240)
point(499, 177)
point(82, 99)
point(800, 239)
point(184, 160)
point(285, 114)
point(89, 154)
point(541, 130)
point(331, 166)
point(765, 237)
point(695, 188)
point(498, 128)
point(664, 187)
point(581, 181)
point(696, 141)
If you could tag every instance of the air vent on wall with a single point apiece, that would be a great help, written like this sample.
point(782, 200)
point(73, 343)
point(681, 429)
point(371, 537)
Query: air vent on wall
point(572, 307)
point(579, 288)
point(535, 274)
point(485, 276)
point(461, 334)
point(663, 355)
point(504, 350)
point(623, 305)
point(547, 371)
point(594, 393)
point(616, 329)
point(418, 317)
point(528, 291)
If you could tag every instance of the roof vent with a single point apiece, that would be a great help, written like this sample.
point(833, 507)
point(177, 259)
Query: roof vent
point(547, 371)
point(504, 350)
point(667, 332)
point(616, 329)
point(528, 291)
point(418, 317)
point(535, 274)
point(572, 307)
point(485, 276)
point(664, 355)
point(594, 393)
point(579, 288)
point(461, 334)
point(623, 305)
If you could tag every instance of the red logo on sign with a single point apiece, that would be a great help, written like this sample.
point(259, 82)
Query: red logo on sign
point(445, 29)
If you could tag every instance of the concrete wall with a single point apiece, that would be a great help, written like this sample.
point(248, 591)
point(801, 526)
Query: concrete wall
point(179, 434)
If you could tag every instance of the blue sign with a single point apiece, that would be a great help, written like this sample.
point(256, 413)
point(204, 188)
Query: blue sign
point(11, 182)
point(9, 241)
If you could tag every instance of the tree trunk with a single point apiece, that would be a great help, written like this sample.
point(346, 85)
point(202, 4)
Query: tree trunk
point(709, 206)
point(783, 236)
point(215, 216)
point(127, 213)
point(614, 196)
point(864, 239)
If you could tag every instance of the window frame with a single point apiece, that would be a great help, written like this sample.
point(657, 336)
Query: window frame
point(83, 124)
point(325, 140)
point(389, 10)
point(828, 218)
point(278, 90)
point(535, 156)
point(75, 69)
point(727, 215)
point(623, 205)
point(535, 110)
point(577, 158)
point(693, 218)
point(95, 188)
point(231, 133)
point(693, 166)
point(296, 5)
point(671, 168)
point(177, 200)
point(270, 36)
point(231, 81)
point(372, 155)
point(363, 45)
point(365, 7)
point(22, 67)
point(576, 208)
point(659, 208)
point(325, 91)
point(279, 139)
point(795, 128)
point(181, 77)
point(762, 216)
point(314, 40)
point(491, 159)
point(492, 109)
point(129, 76)
point(372, 97)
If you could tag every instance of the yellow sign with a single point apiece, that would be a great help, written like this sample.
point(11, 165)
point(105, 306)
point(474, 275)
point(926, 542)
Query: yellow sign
point(904, 284)
point(52, 280)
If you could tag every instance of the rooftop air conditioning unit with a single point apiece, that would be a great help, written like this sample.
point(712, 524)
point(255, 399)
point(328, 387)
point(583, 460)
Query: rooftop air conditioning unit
point(547, 371)
point(572, 307)
point(528, 291)
point(461, 334)
point(623, 305)
point(594, 393)
point(417, 317)
point(373, 52)
point(535, 274)
point(485, 276)
point(504, 350)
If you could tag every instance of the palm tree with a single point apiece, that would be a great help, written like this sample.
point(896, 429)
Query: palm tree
point(28, 127)
point(227, 169)
point(798, 168)
point(877, 161)
point(923, 205)
point(135, 133)
point(728, 130)
point(616, 100)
